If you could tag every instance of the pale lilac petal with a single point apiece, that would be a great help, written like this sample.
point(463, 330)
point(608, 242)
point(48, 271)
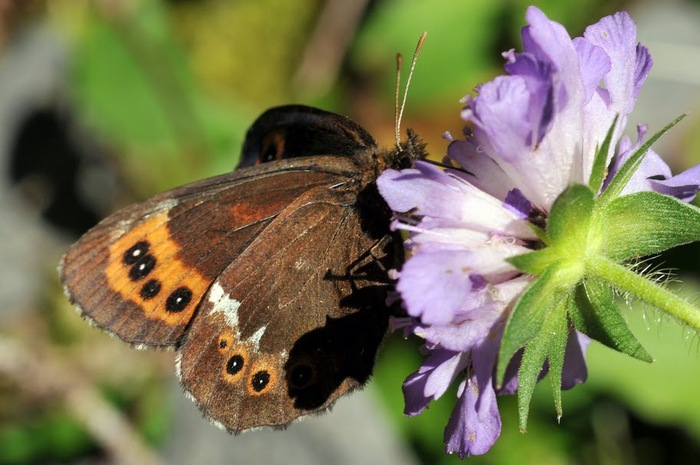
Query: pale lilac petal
point(594, 64)
point(653, 174)
point(500, 117)
point(537, 75)
point(483, 172)
point(683, 186)
point(475, 423)
point(473, 430)
point(549, 40)
point(617, 35)
point(448, 201)
point(416, 397)
point(418, 188)
point(575, 371)
point(479, 323)
point(477, 326)
point(442, 277)
point(444, 374)
point(651, 166)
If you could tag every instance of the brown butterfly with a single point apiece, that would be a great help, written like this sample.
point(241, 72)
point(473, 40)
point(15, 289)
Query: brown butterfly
point(270, 281)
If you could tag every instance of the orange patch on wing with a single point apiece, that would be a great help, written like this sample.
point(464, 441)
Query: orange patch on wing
point(247, 213)
point(169, 273)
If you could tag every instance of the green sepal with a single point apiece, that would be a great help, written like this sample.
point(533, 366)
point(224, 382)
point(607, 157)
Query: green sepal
point(600, 162)
point(568, 231)
point(568, 221)
point(625, 173)
point(646, 223)
point(595, 314)
point(548, 344)
point(534, 263)
point(526, 320)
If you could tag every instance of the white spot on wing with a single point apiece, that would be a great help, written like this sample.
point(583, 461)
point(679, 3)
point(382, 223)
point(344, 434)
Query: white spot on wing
point(224, 304)
point(255, 338)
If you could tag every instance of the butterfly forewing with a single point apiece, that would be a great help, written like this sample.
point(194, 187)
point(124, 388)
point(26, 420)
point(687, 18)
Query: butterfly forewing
point(141, 273)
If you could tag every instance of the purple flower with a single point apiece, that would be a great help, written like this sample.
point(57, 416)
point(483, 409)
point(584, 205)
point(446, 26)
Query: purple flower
point(533, 132)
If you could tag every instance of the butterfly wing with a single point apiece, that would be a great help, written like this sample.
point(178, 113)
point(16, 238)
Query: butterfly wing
point(294, 321)
point(262, 278)
point(292, 131)
point(142, 272)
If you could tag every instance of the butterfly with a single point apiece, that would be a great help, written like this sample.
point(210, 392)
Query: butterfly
point(269, 281)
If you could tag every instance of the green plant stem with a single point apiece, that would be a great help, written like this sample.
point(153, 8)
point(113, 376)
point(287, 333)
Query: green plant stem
point(627, 280)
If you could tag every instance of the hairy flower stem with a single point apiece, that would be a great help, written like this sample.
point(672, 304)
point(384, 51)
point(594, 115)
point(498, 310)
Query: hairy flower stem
point(627, 280)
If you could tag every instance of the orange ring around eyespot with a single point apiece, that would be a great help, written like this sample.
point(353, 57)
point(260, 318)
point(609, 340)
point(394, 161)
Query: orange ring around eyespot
point(234, 378)
point(263, 363)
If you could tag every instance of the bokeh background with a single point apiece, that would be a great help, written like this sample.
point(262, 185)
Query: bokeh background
point(106, 102)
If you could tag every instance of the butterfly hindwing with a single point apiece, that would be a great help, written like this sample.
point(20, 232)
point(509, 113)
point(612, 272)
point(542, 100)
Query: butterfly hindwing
point(290, 324)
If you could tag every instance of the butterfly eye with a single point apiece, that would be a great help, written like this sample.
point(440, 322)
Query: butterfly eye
point(404, 159)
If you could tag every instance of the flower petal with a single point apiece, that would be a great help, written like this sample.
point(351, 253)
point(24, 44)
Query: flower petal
point(575, 371)
point(439, 277)
point(439, 370)
point(683, 186)
point(631, 63)
point(475, 423)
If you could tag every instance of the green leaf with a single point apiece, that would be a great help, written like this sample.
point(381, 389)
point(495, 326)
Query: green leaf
point(595, 314)
point(625, 173)
point(600, 163)
point(646, 223)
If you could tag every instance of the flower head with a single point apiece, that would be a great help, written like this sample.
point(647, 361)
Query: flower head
point(507, 247)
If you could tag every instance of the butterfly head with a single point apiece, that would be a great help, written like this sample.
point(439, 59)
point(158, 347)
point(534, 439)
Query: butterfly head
point(404, 155)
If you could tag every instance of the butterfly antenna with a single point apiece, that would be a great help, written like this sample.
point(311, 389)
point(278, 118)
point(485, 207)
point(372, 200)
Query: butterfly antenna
point(399, 64)
point(399, 112)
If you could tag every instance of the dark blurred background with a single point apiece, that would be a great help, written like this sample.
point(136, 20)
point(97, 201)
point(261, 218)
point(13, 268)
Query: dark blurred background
point(106, 102)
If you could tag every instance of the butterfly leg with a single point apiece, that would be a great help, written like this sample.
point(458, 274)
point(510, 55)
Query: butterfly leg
point(379, 256)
